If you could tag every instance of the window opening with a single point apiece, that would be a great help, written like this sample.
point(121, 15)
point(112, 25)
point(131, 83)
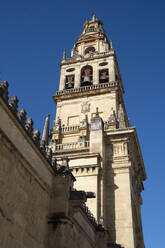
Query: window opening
point(86, 75)
point(69, 82)
point(103, 76)
point(89, 50)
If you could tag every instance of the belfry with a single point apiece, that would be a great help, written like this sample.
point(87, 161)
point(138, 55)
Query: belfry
point(92, 129)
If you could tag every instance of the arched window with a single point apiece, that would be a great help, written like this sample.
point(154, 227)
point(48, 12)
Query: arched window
point(86, 75)
point(91, 29)
point(103, 76)
point(69, 82)
point(89, 50)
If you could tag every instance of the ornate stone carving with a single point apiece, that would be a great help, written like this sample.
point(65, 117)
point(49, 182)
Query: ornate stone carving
point(29, 126)
point(121, 117)
point(13, 104)
point(4, 90)
point(42, 146)
point(36, 137)
point(112, 121)
point(85, 107)
point(22, 116)
point(57, 124)
point(49, 153)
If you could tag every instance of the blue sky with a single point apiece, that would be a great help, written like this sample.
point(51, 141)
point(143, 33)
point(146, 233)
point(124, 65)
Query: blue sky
point(32, 37)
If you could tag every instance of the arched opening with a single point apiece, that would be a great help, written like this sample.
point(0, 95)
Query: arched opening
point(86, 75)
point(91, 29)
point(69, 82)
point(89, 50)
point(103, 76)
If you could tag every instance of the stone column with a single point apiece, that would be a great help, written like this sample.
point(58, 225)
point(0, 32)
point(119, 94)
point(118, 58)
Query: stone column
point(95, 74)
point(62, 80)
point(112, 70)
point(121, 168)
point(77, 77)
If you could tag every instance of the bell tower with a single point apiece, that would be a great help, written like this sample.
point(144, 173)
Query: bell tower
point(92, 129)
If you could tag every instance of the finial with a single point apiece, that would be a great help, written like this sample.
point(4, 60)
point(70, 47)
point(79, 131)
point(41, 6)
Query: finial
point(111, 44)
point(22, 116)
point(45, 135)
point(13, 104)
point(112, 118)
point(4, 90)
point(36, 137)
point(29, 126)
point(64, 54)
point(57, 124)
point(93, 16)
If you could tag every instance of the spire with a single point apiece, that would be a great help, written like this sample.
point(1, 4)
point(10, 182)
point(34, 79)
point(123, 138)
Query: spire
point(93, 17)
point(64, 54)
point(111, 44)
point(45, 135)
point(112, 118)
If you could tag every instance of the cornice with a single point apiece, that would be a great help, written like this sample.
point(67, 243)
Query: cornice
point(92, 90)
point(73, 60)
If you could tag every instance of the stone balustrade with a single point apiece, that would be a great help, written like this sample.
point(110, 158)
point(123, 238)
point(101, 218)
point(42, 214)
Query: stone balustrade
point(87, 88)
point(71, 146)
point(70, 129)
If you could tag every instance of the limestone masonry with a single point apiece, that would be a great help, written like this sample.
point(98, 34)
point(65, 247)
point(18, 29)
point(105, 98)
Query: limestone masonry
point(80, 184)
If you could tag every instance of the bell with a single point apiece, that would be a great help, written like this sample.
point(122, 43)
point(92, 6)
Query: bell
point(87, 79)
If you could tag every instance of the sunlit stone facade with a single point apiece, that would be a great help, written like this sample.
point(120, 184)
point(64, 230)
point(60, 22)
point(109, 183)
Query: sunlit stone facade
point(92, 129)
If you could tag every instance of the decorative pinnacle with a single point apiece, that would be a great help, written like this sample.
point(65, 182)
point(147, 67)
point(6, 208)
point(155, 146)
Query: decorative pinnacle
point(64, 54)
point(93, 16)
point(111, 44)
point(45, 136)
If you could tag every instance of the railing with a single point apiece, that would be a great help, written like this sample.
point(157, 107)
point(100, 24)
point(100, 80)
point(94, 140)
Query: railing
point(72, 146)
point(70, 129)
point(87, 88)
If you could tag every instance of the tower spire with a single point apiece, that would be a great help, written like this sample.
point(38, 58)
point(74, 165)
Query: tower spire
point(45, 135)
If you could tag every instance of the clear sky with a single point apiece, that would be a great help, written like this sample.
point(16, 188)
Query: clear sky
point(32, 37)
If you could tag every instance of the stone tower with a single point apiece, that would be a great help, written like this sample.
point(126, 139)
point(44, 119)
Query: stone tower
point(92, 129)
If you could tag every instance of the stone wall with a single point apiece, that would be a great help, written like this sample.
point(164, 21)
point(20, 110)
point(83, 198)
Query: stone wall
point(24, 202)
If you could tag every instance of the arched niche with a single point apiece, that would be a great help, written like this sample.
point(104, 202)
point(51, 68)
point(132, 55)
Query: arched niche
point(69, 81)
point(103, 76)
point(90, 49)
point(86, 75)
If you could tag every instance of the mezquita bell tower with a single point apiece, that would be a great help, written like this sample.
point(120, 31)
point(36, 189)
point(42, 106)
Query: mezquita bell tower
point(92, 130)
